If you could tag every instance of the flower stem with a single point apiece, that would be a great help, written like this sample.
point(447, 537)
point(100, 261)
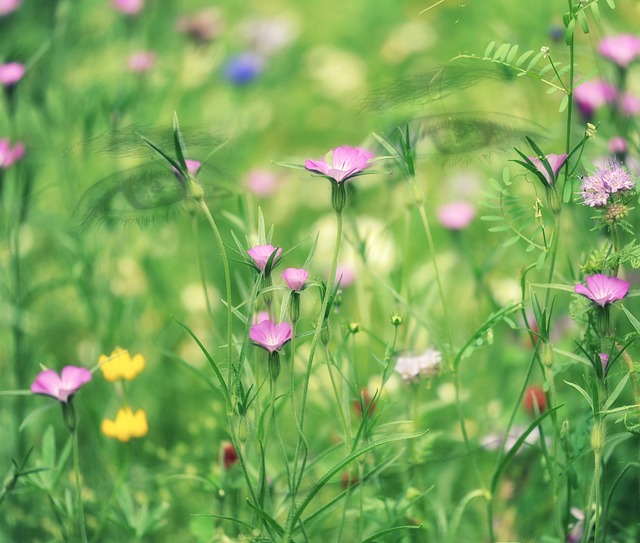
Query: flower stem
point(76, 469)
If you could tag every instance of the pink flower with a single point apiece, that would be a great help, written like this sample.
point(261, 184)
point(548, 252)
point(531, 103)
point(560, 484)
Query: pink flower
point(295, 278)
point(346, 274)
point(604, 360)
point(603, 289)
point(456, 215)
point(8, 154)
point(270, 336)
point(617, 145)
point(8, 6)
point(261, 182)
point(411, 368)
point(345, 163)
point(630, 104)
point(11, 73)
point(63, 386)
point(555, 161)
point(622, 49)
point(141, 61)
point(261, 316)
point(592, 95)
point(128, 7)
point(262, 253)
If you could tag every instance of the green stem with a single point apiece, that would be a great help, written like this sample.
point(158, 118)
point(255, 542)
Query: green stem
point(76, 469)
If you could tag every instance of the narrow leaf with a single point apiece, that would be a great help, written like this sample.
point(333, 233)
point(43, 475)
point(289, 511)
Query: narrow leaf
point(582, 391)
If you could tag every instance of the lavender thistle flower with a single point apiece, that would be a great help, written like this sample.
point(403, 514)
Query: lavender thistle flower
point(597, 188)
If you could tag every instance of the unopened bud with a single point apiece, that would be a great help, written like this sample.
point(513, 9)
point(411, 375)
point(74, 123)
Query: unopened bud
point(546, 354)
point(353, 327)
point(397, 319)
point(591, 130)
point(597, 436)
point(545, 51)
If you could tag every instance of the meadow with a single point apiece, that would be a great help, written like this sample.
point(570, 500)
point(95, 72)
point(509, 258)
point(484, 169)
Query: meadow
point(319, 271)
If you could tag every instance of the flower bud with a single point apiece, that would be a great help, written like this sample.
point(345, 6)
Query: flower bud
point(338, 196)
point(597, 436)
point(194, 189)
point(242, 429)
point(353, 327)
point(397, 319)
point(546, 354)
point(274, 364)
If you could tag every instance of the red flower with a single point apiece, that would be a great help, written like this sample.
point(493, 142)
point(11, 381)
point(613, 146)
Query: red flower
point(534, 394)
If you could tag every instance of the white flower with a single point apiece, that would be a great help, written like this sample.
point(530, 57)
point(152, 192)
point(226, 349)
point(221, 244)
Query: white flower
point(427, 364)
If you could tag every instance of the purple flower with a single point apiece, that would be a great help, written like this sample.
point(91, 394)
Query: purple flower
point(8, 6)
point(8, 154)
point(295, 278)
point(244, 68)
point(617, 145)
point(597, 188)
point(555, 161)
point(141, 61)
point(604, 360)
point(63, 386)
point(11, 73)
point(603, 289)
point(346, 162)
point(128, 7)
point(622, 49)
point(261, 254)
point(456, 215)
point(270, 336)
point(592, 95)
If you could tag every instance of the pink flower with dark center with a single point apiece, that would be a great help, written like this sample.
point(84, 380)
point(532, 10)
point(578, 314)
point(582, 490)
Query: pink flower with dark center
point(141, 61)
point(592, 95)
point(295, 278)
point(270, 336)
point(261, 254)
point(9, 155)
point(555, 161)
point(8, 6)
point(128, 7)
point(456, 215)
point(63, 386)
point(622, 49)
point(603, 289)
point(11, 73)
point(345, 163)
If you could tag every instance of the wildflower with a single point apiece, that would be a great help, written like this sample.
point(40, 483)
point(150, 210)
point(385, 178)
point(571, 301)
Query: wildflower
point(295, 278)
point(427, 364)
point(63, 386)
point(545, 51)
point(597, 188)
point(592, 95)
point(618, 146)
point(9, 6)
point(603, 289)
point(202, 27)
point(604, 360)
point(493, 441)
point(120, 365)
point(365, 401)
point(244, 68)
point(229, 455)
point(555, 161)
point(268, 36)
point(534, 395)
point(456, 215)
point(261, 254)
point(141, 61)
point(261, 316)
point(9, 155)
point(126, 425)
point(576, 530)
point(261, 182)
point(622, 49)
point(128, 7)
point(345, 163)
point(11, 73)
point(630, 104)
point(270, 336)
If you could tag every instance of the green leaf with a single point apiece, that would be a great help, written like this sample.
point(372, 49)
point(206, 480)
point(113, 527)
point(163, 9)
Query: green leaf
point(568, 35)
point(616, 392)
point(612, 4)
point(512, 53)
point(595, 11)
point(489, 48)
point(582, 19)
point(584, 393)
point(273, 524)
point(178, 144)
point(492, 218)
point(567, 191)
point(634, 322)
point(563, 103)
point(534, 61)
point(502, 51)
point(511, 241)
point(374, 537)
point(523, 58)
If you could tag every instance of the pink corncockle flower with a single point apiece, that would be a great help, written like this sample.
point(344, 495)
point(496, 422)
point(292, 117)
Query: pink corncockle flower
point(295, 278)
point(11, 73)
point(128, 7)
point(261, 182)
point(617, 145)
point(592, 95)
point(604, 360)
point(630, 104)
point(63, 386)
point(555, 161)
point(346, 274)
point(427, 364)
point(193, 166)
point(262, 253)
point(603, 289)
point(622, 49)
point(456, 215)
point(141, 61)
point(260, 316)
point(9, 155)
point(8, 6)
point(345, 163)
point(270, 336)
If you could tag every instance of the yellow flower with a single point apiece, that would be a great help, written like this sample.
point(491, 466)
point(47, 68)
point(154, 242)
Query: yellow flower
point(120, 365)
point(127, 425)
